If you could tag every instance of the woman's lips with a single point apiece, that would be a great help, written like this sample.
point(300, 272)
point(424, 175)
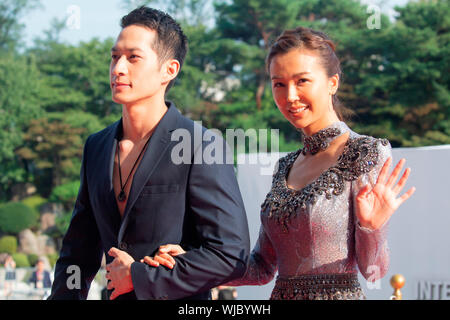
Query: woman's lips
point(298, 111)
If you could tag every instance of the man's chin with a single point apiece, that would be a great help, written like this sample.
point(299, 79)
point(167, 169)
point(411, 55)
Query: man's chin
point(120, 100)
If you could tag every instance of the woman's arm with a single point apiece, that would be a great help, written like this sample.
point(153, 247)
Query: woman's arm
point(262, 264)
point(261, 268)
point(375, 200)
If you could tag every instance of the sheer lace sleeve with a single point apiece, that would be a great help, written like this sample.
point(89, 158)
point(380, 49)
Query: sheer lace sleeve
point(372, 252)
point(262, 264)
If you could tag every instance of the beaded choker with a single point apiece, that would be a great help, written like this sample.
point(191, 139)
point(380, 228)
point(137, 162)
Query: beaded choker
point(320, 140)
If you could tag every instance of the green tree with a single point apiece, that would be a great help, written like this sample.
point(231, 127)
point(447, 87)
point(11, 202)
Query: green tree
point(66, 194)
point(422, 63)
point(11, 11)
point(34, 202)
point(15, 217)
point(254, 25)
point(18, 91)
point(51, 145)
point(8, 244)
point(75, 78)
point(19, 104)
point(21, 260)
point(400, 79)
point(57, 233)
point(32, 258)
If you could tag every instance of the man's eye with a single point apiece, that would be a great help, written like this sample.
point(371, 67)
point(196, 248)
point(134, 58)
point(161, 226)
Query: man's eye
point(278, 85)
point(133, 56)
point(302, 81)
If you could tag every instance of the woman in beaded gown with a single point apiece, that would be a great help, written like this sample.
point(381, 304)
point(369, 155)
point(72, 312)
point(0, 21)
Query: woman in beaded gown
point(327, 212)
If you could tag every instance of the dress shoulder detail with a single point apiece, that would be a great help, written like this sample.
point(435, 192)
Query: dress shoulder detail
point(360, 156)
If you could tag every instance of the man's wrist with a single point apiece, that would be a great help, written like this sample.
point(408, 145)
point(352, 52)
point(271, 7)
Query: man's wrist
point(129, 276)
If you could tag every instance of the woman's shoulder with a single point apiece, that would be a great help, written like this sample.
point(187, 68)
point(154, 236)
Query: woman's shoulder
point(362, 154)
point(361, 142)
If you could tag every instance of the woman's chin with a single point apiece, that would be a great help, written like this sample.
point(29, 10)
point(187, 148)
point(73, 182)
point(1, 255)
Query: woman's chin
point(299, 124)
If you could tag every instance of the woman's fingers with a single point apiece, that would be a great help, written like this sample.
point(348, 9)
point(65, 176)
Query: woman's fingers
point(150, 261)
point(158, 260)
point(165, 259)
point(172, 249)
point(363, 192)
point(401, 183)
point(384, 171)
point(164, 256)
point(395, 173)
point(406, 196)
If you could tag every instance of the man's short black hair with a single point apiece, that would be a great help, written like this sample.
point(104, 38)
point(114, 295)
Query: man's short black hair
point(171, 42)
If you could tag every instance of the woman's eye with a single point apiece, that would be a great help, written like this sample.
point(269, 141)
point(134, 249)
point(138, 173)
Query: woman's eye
point(277, 85)
point(133, 56)
point(302, 81)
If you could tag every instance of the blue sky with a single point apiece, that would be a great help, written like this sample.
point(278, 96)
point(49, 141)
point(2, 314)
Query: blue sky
point(97, 18)
point(100, 18)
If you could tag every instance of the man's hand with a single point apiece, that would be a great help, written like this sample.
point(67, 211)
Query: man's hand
point(118, 273)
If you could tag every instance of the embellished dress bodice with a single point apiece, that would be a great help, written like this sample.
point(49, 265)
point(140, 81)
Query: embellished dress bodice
point(314, 231)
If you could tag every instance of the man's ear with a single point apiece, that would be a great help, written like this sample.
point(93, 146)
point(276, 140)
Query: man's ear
point(171, 68)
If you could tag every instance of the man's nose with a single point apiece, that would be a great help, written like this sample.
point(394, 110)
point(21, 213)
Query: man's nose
point(120, 67)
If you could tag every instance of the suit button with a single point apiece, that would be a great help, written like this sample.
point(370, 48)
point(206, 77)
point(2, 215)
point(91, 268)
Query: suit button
point(123, 246)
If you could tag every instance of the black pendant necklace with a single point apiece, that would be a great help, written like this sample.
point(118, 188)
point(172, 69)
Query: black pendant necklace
point(321, 139)
point(122, 195)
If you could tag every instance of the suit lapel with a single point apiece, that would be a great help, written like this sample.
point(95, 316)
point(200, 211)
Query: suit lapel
point(117, 133)
point(159, 142)
point(106, 187)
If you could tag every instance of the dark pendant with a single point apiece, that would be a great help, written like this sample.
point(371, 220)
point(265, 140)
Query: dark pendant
point(122, 196)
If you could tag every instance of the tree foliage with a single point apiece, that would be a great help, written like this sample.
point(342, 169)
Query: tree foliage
point(15, 217)
point(11, 11)
point(53, 95)
point(51, 145)
point(19, 104)
point(8, 244)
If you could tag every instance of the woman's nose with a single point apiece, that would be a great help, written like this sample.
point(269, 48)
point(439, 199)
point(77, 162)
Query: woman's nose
point(292, 94)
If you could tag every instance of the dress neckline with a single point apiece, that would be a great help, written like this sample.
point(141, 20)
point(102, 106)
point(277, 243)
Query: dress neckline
point(360, 156)
point(293, 156)
point(321, 140)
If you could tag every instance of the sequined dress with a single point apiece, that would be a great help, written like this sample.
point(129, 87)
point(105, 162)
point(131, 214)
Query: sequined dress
point(312, 237)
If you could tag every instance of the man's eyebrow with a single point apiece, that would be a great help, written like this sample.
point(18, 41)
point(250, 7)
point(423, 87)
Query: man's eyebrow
point(294, 76)
point(113, 49)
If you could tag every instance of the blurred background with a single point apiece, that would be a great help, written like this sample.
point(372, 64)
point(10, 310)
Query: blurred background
point(54, 93)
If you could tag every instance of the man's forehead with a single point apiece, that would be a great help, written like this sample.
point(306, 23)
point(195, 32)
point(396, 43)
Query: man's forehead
point(135, 37)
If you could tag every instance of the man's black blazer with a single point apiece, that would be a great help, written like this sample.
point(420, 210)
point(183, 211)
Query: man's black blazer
point(46, 281)
point(194, 204)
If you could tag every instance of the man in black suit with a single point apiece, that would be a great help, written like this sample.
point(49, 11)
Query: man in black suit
point(135, 193)
point(40, 278)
